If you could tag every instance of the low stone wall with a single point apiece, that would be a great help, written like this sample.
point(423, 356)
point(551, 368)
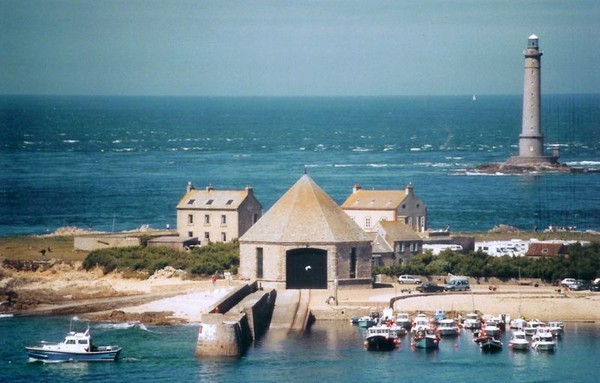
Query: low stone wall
point(90, 243)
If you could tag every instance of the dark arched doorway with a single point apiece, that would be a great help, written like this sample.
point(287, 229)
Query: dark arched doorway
point(306, 269)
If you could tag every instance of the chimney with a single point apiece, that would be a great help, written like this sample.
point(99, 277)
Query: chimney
point(190, 187)
point(409, 189)
point(209, 188)
point(249, 189)
point(356, 188)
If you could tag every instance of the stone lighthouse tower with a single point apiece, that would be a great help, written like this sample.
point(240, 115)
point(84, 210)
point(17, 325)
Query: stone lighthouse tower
point(531, 139)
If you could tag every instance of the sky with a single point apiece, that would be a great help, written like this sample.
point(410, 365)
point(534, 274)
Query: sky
point(294, 48)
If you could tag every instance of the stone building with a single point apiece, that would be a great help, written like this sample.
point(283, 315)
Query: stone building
point(213, 215)
point(305, 240)
point(367, 207)
point(394, 242)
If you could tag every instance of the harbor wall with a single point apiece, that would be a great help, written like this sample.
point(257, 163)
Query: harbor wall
point(233, 323)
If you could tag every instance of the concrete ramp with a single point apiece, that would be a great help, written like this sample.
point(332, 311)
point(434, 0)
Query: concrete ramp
point(291, 310)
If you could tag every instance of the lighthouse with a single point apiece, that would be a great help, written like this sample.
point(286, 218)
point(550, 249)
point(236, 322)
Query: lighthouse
point(531, 139)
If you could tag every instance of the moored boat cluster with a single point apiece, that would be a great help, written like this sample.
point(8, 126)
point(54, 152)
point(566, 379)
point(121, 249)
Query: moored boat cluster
point(384, 331)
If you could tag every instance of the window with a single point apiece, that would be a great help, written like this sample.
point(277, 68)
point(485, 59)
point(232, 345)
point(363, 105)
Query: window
point(353, 263)
point(259, 262)
point(206, 218)
point(207, 235)
point(223, 219)
point(191, 202)
point(190, 234)
point(402, 248)
point(210, 201)
point(229, 202)
point(254, 218)
point(190, 219)
point(367, 221)
point(223, 237)
point(409, 221)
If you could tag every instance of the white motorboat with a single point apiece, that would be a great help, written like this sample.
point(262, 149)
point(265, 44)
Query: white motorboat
point(518, 340)
point(472, 321)
point(447, 327)
point(77, 347)
point(543, 340)
point(556, 328)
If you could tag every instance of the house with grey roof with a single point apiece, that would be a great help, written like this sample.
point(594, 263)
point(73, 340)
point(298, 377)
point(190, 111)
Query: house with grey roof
point(394, 242)
point(305, 240)
point(367, 207)
point(213, 215)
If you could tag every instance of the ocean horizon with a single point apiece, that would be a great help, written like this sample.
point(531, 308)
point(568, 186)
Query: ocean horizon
point(115, 163)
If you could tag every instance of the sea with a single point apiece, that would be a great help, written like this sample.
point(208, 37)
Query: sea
point(121, 163)
point(328, 352)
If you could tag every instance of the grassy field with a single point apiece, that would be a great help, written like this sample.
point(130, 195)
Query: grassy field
point(30, 248)
point(61, 247)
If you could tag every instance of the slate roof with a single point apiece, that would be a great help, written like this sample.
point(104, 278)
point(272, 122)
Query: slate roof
point(396, 231)
point(213, 199)
point(374, 200)
point(305, 214)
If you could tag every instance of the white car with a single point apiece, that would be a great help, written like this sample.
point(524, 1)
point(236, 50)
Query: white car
point(408, 279)
point(568, 282)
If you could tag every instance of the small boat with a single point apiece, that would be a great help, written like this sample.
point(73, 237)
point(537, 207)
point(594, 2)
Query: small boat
point(489, 343)
point(421, 322)
point(518, 341)
point(490, 330)
point(426, 338)
point(518, 323)
point(381, 338)
point(556, 328)
point(448, 327)
point(366, 321)
point(472, 321)
point(77, 347)
point(543, 340)
point(403, 320)
point(532, 326)
point(439, 315)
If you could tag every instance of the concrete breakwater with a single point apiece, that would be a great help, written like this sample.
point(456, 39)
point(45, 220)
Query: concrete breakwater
point(235, 321)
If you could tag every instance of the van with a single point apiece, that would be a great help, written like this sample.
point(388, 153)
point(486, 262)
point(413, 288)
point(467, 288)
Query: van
point(457, 285)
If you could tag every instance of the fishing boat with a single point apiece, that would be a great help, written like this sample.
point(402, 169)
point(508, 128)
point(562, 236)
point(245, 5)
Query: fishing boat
point(490, 330)
point(472, 321)
point(543, 340)
point(518, 341)
point(403, 320)
point(489, 343)
point(381, 338)
point(76, 347)
point(447, 327)
point(426, 338)
point(421, 322)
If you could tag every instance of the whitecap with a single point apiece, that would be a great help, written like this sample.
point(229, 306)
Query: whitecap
point(70, 141)
point(6, 315)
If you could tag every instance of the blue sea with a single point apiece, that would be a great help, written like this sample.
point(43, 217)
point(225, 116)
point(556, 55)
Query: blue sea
point(330, 352)
point(117, 163)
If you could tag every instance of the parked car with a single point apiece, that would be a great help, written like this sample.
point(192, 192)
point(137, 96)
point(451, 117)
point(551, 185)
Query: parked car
point(594, 286)
point(408, 279)
point(458, 285)
point(567, 282)
point(579, 285)
point(429, 288)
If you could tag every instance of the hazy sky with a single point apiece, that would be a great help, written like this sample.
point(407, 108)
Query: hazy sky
point(304, 47)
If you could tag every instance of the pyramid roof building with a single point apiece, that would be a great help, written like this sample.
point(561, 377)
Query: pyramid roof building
point(305, 214)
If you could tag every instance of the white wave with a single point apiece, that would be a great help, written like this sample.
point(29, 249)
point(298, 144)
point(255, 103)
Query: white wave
point(75, 318)
point(28, 143)
point(584, 163)
point(70, 141)
point(361, 149)
point(117, 141)
point(415, 149)
point(6, 315)
point(117, 326)
point(377, 165)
